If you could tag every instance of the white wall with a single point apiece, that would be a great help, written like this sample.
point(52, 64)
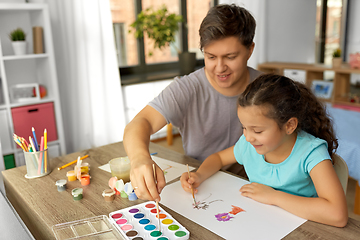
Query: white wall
point(285, 30)
point(290, 31)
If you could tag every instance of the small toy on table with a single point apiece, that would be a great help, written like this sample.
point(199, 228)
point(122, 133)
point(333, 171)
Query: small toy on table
point(124, 190)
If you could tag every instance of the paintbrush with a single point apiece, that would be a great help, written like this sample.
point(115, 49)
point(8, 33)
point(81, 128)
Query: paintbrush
point(192, 189)
point(157, 202)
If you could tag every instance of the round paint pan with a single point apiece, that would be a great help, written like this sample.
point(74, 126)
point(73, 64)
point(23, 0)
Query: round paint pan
point(117, 215)
point(155, 234)
point(132, 233)
point(126, 227)
point(150, 227)
point(138, 216)
point(144, 221)
point(122, 221)
point(134, 211)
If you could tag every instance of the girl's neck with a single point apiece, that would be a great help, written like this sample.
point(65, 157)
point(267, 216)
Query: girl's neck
point(283, 151)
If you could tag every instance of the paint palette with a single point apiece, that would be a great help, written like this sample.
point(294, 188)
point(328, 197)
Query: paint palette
point(99, 227)
point(141, 222)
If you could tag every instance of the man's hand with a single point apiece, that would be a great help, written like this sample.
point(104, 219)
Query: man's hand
point(142, 179)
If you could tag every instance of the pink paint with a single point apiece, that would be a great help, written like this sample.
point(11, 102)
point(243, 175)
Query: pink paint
point(126, 227)
point(121, 221)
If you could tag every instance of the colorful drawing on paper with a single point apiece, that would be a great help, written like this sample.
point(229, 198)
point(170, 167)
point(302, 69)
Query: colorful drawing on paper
point(224, 217)
point(226, 187)
point(203, 204)
point(164, 170)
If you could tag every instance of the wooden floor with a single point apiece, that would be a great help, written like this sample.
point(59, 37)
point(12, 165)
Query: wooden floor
point(350, 194)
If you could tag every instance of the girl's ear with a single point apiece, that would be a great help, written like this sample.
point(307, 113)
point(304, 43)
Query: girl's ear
point(291, 125)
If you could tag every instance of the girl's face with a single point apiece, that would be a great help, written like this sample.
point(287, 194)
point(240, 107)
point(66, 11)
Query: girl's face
point(226, 64)
point(262, 132)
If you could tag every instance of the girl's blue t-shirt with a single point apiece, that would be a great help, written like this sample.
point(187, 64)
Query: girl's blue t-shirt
point(293, 174)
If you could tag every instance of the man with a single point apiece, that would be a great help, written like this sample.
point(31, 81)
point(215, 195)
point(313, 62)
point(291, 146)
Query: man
point(202, 104)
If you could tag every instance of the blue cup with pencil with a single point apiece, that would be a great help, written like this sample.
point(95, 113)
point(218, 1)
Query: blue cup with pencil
point(36, 155)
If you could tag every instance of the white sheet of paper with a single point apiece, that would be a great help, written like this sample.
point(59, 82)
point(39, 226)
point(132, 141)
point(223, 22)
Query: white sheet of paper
point(171, 169)
point(220, 193)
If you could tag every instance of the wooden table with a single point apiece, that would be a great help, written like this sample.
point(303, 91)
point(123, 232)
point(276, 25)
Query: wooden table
point(41, 206)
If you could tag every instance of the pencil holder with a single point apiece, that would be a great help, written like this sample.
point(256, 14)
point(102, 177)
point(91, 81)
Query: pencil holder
point(37, 164)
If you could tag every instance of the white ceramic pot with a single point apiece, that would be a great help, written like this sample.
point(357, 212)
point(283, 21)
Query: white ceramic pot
point(19, 47)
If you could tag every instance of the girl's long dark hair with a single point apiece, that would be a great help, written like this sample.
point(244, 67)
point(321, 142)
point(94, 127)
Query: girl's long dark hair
point(286, 99)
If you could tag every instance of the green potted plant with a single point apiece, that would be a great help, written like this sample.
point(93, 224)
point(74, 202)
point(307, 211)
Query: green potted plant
point(336, 60)
point(161, 27)
point(18, 40)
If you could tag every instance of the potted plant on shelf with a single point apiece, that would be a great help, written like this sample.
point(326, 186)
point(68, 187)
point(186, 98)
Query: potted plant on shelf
point(336, 60)
point(161, 27)
point(18, 40)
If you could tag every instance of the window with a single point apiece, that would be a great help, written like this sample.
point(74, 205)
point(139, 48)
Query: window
point(196, 11)
point(330, 28)
point(120, 43)
point(133, 54)
point(123, 14)
point(167, 54)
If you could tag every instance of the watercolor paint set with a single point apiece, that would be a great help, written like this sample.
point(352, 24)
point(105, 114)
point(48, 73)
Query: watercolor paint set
point(141, 222)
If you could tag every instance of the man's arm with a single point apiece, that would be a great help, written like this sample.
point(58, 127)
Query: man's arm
point(136, 142)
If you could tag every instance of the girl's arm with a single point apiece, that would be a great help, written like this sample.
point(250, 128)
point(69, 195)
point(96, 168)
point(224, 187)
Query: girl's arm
point(328, 208)
point(210, 166)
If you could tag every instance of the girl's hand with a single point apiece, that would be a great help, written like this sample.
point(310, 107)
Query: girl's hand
point(193, 181)
point(258, 192)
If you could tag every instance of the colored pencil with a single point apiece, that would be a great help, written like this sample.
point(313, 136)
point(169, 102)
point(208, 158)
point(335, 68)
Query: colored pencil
point(35, 140)
point(17, 141)
point(41, 155)
point(32, 144)
point(157, 202)
point(192, 189)
point(71, 163)
point(25, 144)
point(45, 149)
point(36, 157)
point(24, 140)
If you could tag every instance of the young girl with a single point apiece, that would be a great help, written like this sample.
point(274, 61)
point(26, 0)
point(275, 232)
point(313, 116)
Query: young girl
point(286, 149)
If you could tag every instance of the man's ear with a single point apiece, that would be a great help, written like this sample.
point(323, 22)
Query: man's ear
point(251, 50)
point(291, 125)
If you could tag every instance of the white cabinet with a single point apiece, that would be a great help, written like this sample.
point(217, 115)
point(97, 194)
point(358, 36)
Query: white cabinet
point(5, 135)
point(28, 69)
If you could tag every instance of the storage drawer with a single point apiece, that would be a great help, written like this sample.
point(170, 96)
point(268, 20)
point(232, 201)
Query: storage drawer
point(5, 133)
point(9, 161)
point(39, 116)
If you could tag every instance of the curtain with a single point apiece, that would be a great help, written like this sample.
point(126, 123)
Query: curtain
point(257, 9)
point(88, 74)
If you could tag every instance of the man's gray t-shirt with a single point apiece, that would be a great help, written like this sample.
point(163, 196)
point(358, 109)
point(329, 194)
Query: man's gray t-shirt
point(207, 120)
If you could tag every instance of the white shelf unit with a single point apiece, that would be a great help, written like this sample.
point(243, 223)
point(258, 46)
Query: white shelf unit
point(27, 69)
